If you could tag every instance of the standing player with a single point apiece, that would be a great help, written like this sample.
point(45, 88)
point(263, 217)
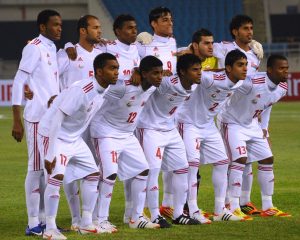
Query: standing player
point(244, 137)
point(38, 68)
point(241, 29)
point(202, 139)
point(163, 46)
point(118, 150)
point(61, 128)
point(89, 31)
point(162, 144)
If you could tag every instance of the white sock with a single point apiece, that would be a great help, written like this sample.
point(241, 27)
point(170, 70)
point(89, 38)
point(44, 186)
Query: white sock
point(192, 186)
point(72, 195)
point(265, 176)
point(128, 200)
point(42, 215)
point(106, 190)
point(32, 189)
point(138, 190)
point(51, 202)
point(89, 194)
point(219, 179)
point(247, 185)
point(235, 184)
point(167, 187)
point(180, 189)
point(153, 193)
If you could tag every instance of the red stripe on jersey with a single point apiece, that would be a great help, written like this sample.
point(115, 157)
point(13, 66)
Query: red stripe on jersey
point(219, 77)
point(88, 87)
point(174, 80)
point(258, 80)
point(283, 85)
point(36, 41)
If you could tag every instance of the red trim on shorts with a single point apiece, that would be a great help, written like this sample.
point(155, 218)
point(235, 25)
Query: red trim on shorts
point(36, 154)
point(180, 129)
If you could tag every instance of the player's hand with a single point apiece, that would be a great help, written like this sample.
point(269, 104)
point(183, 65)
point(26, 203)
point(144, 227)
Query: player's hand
point(144, 38)
point(17, 131)
point(28, 93)
point(50, 165)
point(50, 101)
point(72, 53)
point(167, 73)
point(136, 78)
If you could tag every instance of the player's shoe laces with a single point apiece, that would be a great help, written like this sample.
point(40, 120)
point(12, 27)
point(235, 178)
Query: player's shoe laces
point(74, 227)
point(163, 223)
point(250, 209)
point(226, 215)
point(35, 231)
point(185, 220)
point(200, 217)
point(274, 212)
point(108, 226)
point(143, 223)
point(53, 234)
point(239, 213)
point(91, 229)
point(167, 212)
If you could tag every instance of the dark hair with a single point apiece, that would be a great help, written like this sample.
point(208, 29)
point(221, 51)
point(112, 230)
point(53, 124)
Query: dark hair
point(83, 22)
point(101, 59)
point(234, 56)
point(186, 61)
point(158, 12)
point(238, 21)
point(196, 38)
point(120, 20)
point(44, 16)
point(149, 62)
point(274, 58)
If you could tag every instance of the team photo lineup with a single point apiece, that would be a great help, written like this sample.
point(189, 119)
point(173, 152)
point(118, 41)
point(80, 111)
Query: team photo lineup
point(136, 108)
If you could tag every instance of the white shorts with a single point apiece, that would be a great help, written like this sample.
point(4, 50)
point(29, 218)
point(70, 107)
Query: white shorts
point(73, 160)
point(35, 163)
point(122, 156)
point(163, 150)
point(203, 144)
point(245, 142)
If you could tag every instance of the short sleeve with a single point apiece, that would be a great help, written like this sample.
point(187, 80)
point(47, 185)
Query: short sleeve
point(31, 56)
point(74, 100)
point(141, 49)
point(165, 84)
point(207, 79)
point(116, 91)
point(219, 53)
point(246, 87)
point(63, 61)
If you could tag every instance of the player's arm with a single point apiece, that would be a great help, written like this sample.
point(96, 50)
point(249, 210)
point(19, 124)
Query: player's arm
point(265, 118)
point(116, 91)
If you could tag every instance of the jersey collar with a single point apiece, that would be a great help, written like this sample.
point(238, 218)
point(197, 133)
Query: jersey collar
point(47, 41)
point(160, 38)
point(122, 45)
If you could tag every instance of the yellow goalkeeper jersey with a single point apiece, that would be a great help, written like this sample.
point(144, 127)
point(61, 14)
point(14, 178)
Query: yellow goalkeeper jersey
point(210, 63)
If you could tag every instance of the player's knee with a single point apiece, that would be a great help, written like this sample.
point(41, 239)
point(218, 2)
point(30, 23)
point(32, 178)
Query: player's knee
point(242, 160)
point(144, 173)
point(112, 177)
point(269, 160)
point(59, 177)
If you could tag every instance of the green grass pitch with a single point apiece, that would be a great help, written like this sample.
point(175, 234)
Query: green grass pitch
point(285, 138)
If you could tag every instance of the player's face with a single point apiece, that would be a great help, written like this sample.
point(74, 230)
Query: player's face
point(154, 76)
point(279, 72)
point(238, 71)
point(110, 72)
point(52, 29)
point(127, 34)
point(163, 26)
point(244, 34)
point(192, 75)
point(93, 31)
point(205, 47)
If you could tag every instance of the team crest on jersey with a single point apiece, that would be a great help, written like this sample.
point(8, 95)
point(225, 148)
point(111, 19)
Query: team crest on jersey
point(156, 55)
point(90, 107)
point(213, 95)
point(49, 62)
point(254, 101)
point(80, 59)
point(80, 65)
point(228, 94)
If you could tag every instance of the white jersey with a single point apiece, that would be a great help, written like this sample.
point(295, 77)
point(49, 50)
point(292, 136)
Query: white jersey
point(118, 115)
point(256, 95)
point(79, 102)
point(127, 56)
point(221, 49)
point(164, 49)
point(81, 68)
point(39, 61)
point(159, 110)
point(207, 99)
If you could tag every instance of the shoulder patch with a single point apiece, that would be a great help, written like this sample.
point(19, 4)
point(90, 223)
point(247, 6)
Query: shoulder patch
point(283, 85)
point(88, 87)
point(258, 80)
point(219, 77)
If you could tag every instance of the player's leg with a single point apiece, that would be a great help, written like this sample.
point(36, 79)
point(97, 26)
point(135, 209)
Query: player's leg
point(33, 188)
